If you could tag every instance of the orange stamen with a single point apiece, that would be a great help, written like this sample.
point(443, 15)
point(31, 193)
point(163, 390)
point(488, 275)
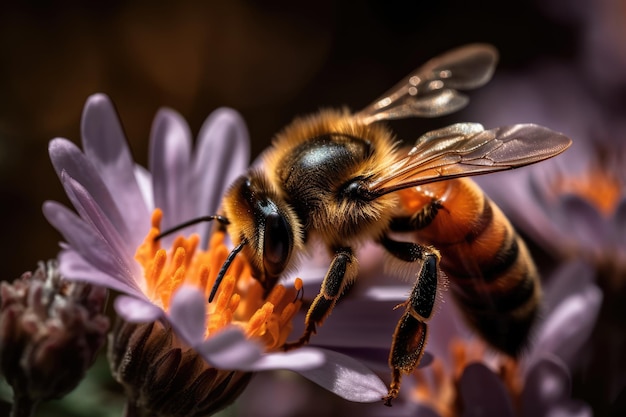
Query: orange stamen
point(257, 323)
point(240, 298)
point(597, 186)
point(155, 271)
point(438, 387)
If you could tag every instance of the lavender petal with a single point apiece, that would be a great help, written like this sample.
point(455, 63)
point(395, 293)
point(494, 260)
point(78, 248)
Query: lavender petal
point(347, 378)
point(105, 144)
point(170, 153)
point(135, 310)
point(222, 154)
point(483, 393)
point(66, 157)
point(187, 314)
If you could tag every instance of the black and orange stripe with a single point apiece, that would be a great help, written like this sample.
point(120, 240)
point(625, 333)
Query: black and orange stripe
point(492, 275)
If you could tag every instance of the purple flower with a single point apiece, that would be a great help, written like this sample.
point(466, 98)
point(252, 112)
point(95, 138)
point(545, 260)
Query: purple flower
point(573, 207)
point(467, 379)
point(110, 242)
point(472, 381)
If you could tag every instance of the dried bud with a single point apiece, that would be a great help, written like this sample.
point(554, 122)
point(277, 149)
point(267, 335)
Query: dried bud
point(50, 332)
point(163, 377)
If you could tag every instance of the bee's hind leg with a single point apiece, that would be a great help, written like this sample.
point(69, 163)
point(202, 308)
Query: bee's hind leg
point(418, 220)
point(409, 338)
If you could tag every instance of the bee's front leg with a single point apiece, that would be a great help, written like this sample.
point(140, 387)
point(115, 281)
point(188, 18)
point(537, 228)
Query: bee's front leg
point(409, 338)
point(341, 272)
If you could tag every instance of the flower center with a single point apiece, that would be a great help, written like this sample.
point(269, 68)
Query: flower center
point(239, 300)
point(438, 387)
point(598, 186)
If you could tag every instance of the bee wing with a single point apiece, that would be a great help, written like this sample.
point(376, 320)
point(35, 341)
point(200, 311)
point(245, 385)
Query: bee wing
point(431, 90)
point(466, 149)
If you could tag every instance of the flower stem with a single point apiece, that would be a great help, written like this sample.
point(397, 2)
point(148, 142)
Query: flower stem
point(23, 406)
point(131, 410)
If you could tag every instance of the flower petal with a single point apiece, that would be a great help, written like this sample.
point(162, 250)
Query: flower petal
point(66, 157)
point(297, 360)
point(547, 383)
point(229, 349)
point(170, 153)
point(571, 408)
point(105, 145)
point(619, 220)
point(144, 180)
point(222, 154)
point(88, 244)
point(347, 378)
point(135, 310)
point(513, 193)
point(187, 314)
point(569, 325)
point(356, 322)
point(568, 279)
point(424, 411)
point(583, 221)
point(92, 213)
point(73, 266)
point(483, 393)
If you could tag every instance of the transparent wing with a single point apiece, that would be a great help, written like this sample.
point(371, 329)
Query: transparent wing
point(466, 149)
point(431, 90)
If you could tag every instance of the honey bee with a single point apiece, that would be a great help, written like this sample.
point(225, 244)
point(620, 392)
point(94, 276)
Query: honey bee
point(341, 179)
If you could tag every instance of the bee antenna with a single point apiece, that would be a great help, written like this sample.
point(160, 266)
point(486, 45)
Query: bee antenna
point(223, 220)
point(225, 265)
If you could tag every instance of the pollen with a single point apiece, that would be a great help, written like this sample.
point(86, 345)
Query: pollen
point(239, 299)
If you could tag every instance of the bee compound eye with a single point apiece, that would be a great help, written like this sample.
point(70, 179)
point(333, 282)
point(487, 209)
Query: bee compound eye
point(277, 243)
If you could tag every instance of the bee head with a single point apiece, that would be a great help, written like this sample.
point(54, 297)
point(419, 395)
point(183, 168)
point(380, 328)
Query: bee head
point(265, 224)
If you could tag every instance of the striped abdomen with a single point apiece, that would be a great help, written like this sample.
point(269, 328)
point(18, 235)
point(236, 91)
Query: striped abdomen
point(492, 275)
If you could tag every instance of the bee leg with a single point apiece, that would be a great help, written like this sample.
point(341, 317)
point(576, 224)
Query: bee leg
point(341, 272)
point(419, 219)
point(409, 338)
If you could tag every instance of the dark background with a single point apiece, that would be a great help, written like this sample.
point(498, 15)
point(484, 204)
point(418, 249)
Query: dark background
point(269, 60)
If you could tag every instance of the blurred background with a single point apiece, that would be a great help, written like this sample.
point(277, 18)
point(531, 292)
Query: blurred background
point(269, 60)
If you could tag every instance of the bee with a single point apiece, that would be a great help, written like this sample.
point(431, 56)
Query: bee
point(341, 178)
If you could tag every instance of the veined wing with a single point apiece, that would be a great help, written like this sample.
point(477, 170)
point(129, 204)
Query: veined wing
point(432, 89)
point(466, 149)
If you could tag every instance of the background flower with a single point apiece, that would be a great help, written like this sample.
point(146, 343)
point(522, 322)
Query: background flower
point(573, 207)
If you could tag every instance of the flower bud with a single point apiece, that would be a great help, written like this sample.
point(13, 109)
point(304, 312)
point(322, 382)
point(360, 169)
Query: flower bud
point(164, 377)
point(50, 332)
